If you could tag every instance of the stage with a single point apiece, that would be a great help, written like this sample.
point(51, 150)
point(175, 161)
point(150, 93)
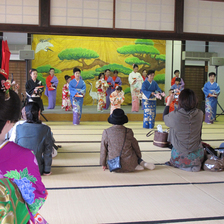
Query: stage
point(89, 113)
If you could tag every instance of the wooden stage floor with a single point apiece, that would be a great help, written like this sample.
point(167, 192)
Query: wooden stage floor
point(81, 192)
point(90, 114)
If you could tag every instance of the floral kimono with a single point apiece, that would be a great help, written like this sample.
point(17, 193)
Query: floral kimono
point(102, 87)
point(211, 102)
point(66, 103)
point(77, 91)
point(116, 100)
point(135, 89)
point(20, 166)
point(149, 103)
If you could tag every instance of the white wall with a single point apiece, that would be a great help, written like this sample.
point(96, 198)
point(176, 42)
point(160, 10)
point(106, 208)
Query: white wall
point(173, 61)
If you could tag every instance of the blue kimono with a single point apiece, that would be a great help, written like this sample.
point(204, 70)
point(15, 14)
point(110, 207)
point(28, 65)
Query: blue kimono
point(210, 102)
point(175, 86)
point(77, 88)
point(149, 102)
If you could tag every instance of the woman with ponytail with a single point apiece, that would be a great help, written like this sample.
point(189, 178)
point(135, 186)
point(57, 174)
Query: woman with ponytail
point(36, 136)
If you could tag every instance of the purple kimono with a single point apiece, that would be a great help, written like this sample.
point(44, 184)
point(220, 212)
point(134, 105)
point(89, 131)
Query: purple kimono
point(51, 94)
point(117, 82)
point(20, 165)
point(111, 84)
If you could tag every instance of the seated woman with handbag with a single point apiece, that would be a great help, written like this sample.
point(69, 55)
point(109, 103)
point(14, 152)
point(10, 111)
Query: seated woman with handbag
point(120, 147)
point(185, 132)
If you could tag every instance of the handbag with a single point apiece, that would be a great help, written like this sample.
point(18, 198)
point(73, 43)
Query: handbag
point(115, 163)
point(160, 138)
point(214, 162)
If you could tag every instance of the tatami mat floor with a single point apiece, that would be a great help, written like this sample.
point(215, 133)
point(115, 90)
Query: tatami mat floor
point(81, 192)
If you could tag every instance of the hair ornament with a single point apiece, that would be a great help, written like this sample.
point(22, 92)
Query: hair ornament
point(5, 86)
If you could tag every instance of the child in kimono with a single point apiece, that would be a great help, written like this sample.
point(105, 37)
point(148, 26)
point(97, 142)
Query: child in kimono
point(116, 99)
point(66, 103)
point(102, 87)
point(176, 89)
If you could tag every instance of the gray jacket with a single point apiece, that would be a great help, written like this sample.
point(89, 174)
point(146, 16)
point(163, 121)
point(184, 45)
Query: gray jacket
point(36, 137)
point(185, 129)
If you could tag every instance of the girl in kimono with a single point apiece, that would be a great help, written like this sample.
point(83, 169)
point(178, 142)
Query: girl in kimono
point(102, 87)
point(51, 89)
point(34, 89)
point(77, 89)
point(176, 89)
point(117, 80)
point(116, 99)
point(177, 75)
point(149, 89)
point(19, 164)
point(135, 80)
point(211, 90)
point(111, 84)
point(66, 103)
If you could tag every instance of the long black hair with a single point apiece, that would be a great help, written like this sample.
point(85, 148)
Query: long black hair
point(32, 113)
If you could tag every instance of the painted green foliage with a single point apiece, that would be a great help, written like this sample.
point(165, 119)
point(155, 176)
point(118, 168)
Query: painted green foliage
point(143, 53)
point(160, 78)
point(112, 67)
point(127, 90)
point(89, 74)
point(135, 60)
point(77, 53)
point(46, 68)
point(41, 78)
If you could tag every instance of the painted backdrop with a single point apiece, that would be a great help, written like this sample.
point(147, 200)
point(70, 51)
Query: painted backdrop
point(93, 55)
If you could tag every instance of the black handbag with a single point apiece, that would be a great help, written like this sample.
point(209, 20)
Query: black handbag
point(115, 163)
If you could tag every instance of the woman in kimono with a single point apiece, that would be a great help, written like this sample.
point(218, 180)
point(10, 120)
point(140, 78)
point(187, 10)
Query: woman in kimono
point(116, 99)
point(135, 80)
point(34, 89)
point(211, 90)
point(66, 102)
point(117, 80)
point(111, 84)
point(102, 87)
point(77, 89)
point(19, 164)
point(144, 73)
point(149, 89)
point(51, 89)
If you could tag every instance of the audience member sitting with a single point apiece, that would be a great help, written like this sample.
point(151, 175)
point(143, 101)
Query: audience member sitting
point(112, 142)
point(185, 132)
point(17, 163)
point(11, 136)
point(36, 136)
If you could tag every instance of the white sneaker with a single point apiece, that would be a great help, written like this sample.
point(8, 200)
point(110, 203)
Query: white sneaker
point(54, 152)
point(149, 166)
point(138, 167)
